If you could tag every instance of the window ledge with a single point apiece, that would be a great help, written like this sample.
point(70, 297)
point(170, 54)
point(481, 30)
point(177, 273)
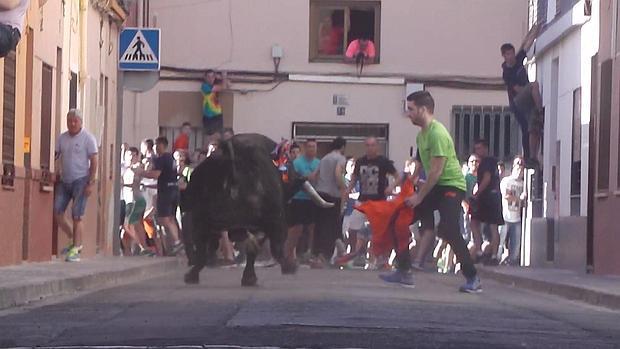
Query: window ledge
point(617, 192)
point(8, 187)
point(601, 195)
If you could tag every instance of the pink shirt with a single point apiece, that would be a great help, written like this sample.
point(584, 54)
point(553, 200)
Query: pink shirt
point(354, 49)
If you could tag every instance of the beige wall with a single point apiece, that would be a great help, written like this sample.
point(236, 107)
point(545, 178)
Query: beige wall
point(52, 28)
point(418, 37)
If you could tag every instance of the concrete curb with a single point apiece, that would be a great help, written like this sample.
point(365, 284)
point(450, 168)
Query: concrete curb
point(567, 291)
point(24, 294)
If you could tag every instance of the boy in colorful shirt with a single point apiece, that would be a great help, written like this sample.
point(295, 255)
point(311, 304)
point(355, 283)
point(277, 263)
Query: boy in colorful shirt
point(211, 108)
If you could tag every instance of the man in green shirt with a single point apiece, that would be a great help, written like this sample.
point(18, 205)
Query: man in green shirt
point(443, 190)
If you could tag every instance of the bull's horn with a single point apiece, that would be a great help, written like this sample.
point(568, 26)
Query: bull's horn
point(316, 198)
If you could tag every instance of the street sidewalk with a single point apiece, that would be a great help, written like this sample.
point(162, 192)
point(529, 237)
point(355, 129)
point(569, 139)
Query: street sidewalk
point(593, 289)
point(28, 282)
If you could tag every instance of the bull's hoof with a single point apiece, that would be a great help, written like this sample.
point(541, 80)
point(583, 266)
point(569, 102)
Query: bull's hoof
point(289, 268)
point(249, 281)
point(191, 278)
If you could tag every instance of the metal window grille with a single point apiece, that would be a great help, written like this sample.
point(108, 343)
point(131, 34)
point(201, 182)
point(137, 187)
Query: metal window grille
point(493, 123)
point(196, 137)
point(355, 134)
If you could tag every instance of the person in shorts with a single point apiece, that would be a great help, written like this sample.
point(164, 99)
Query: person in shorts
point(302, 211)
point(76, 150)
point(372, 171)
point(164, 170)
point(12, 15)
point(486, 205)
point(135, 203)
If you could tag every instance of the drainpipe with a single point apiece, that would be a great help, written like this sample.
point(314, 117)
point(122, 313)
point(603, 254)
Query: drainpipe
point(83, 53)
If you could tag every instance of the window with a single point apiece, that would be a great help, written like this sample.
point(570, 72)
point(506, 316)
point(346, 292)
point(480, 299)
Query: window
point(334, 24)
point(46, 116)
point(355, 134)
point(493, 123)
point(73, 91)
point(541, 11)
point(8, 116)
point(604, 126)
point(576, 147)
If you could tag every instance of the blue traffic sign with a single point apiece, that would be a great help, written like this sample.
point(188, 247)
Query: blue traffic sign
point(139, 49)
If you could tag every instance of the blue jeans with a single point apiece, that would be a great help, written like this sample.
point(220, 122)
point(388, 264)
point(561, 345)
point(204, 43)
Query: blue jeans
point(512, 232)
point(66, 192)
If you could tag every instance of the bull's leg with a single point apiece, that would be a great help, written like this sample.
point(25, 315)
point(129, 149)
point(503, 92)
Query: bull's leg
point(249, 274)
point(203, 249)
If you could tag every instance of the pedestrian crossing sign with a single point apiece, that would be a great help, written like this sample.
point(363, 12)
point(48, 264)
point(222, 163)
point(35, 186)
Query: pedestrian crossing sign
point(139, 49)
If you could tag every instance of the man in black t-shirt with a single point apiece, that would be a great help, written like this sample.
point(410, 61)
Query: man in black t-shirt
point(524, 96)
point(486, 204)
point(164, 170)
point(372, 171)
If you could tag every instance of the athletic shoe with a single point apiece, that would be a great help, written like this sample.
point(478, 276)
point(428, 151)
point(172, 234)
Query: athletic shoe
point(146, 252)
point(345, 259)
point(417, 266)
point(472, 285)
point(399, 277)
point(492, 262)
point(176, 248)
point(73, 255)
point(360, 261)
point(66, 249)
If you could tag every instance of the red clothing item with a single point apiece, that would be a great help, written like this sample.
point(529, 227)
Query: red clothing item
point(380, 214)
point(354, 49)
point(182, 142)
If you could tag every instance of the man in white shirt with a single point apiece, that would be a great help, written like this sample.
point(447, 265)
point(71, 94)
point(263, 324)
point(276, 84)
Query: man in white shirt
point(513, 197)
point(76, 153)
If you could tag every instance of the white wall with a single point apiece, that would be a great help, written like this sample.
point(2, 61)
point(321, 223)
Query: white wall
point(574, 51)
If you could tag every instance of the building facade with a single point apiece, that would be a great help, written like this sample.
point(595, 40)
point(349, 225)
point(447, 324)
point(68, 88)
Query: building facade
point(285, 61)
point(604, 232)
point(67, 58)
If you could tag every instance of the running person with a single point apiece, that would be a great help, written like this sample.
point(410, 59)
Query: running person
point(135, 202)
point(443, 190)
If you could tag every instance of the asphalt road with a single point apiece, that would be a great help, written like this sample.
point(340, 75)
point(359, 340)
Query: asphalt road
point(313, 309)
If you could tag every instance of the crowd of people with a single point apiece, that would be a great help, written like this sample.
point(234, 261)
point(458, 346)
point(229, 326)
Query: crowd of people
point(383, 218)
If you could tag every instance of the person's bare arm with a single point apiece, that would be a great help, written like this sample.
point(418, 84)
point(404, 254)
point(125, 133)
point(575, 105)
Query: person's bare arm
point(437, 165)
point(153, 174)
point(8, 5)
point(397, 181)
point(529, 38)
point(484, 183)
point(352, 183)
point(92, 174)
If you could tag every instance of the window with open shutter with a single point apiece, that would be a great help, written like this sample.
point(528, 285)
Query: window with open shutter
point(46, 116)
point(8, 115)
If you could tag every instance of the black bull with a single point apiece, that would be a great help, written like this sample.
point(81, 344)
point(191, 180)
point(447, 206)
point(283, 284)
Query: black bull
point(239, 190)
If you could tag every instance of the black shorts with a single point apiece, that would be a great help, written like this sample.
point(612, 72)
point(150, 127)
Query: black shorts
point(488, 208)
point(446, 200)
point(167, 202)
point(301, 212)
point(9, 38)
point(213, 125)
